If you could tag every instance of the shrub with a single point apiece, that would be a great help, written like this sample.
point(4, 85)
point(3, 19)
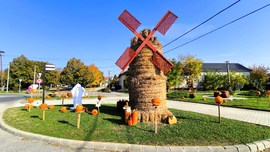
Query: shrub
point(178, 94)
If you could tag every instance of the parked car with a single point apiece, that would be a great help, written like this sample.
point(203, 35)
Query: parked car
point(69, 87)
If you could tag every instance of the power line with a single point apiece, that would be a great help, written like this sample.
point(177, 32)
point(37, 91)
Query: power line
point(217, 28)
point(202, 23)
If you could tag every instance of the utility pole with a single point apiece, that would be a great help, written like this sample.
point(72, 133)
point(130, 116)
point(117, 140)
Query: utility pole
point(8, 77)
point(1, 68)
point(228, 73)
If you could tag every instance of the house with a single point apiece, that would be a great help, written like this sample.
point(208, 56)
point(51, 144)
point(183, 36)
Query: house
point(222, 68)
point(218, 67)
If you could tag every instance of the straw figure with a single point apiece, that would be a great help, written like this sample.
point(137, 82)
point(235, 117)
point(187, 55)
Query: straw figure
point(146, 82)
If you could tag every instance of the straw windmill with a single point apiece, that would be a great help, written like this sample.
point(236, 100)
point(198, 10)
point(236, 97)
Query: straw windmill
point(147, 67)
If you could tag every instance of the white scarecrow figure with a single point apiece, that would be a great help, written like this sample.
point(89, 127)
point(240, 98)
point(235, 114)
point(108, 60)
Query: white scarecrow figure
point(77, 93)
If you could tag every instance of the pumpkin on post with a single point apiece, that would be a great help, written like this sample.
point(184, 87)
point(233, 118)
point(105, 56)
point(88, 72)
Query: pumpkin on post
point(268, 93)
point(156, 102)
point(219, 101)
point(30, 101)
point(43, 107)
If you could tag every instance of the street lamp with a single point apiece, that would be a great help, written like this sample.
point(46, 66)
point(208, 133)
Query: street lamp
point(39, 76)
point(1, 67)
point(20, 80)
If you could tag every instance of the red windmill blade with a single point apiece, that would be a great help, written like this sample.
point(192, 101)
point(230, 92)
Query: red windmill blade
point(158, 59)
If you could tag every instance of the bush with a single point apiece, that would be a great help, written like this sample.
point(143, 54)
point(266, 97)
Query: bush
point(178, 94)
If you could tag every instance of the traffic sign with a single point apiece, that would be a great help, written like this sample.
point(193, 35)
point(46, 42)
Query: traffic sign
point(39, 81)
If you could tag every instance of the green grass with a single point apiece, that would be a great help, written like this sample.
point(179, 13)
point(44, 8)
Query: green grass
point(251, 102)
point(191, 129)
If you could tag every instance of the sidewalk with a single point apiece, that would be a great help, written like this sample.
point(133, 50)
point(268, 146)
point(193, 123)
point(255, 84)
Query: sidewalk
point(251, 116)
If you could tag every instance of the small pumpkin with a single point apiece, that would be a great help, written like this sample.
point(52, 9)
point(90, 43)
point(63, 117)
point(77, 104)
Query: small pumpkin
point(48, 97)
point(224, 101)
point(79, 108)
point(94, 112)
point(37, 96)
point(69, 94)
point(63, 95)
point(30, 100)
point(218, 99)
point(43, 106)
point(268, 92)
point(203, 98)
point(63, 109)
point(258, 93)
point(51, 107)
point(156, 101)
point(99, 97)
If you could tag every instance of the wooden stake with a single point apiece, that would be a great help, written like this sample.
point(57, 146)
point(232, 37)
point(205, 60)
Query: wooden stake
point(155, 120)
point(62, 102)
point(219, 119)
point(43, 114)
point(79, 119)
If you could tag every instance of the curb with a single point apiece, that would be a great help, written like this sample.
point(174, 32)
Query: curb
point(250, 147)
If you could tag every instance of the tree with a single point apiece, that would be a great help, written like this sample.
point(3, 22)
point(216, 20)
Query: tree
point(98, 75)
point(213, 80)
point(236, 79)
point(259, 76)
point(191, 67)
point(173, 76)
point(71, 73)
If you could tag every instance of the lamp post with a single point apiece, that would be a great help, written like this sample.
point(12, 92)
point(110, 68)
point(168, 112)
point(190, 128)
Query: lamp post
point(20, 80)
point(1, 67)
point(39, 76)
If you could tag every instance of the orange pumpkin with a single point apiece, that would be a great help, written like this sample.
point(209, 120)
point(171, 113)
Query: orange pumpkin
point(79, 108)
point(268, 92)
point(224, 101)
point(30, 100)
point(51, 107)
point(63, 109)
point(69, 94)
point(99, 97)
point(218, 99)
point(156, 101)
point(63, 95)
point(49, 97)
point(258, 93)
point(94, 112)
point(204, 98)
point(43, 106)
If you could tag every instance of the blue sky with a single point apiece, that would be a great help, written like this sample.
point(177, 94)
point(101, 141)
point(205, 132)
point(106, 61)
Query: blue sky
point(58, 30)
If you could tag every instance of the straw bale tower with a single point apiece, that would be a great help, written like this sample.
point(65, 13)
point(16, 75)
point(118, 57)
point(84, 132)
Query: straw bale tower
point(146, 82)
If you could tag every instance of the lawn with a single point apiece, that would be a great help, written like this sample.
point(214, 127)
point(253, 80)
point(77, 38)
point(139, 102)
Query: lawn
point(192, 128)
point(248, 101)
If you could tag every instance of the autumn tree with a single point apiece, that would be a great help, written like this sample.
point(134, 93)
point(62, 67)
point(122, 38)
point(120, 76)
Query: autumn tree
point(98, 75)
point(258, 76)
point(173, 76)
point(191, 67)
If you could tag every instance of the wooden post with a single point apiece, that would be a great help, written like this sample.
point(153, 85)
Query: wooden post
point(63, 102)
point(219, 113)
point(29, 108)
point(79, 119)
point(269, 99)
point(155, 119)
point(43, 114)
